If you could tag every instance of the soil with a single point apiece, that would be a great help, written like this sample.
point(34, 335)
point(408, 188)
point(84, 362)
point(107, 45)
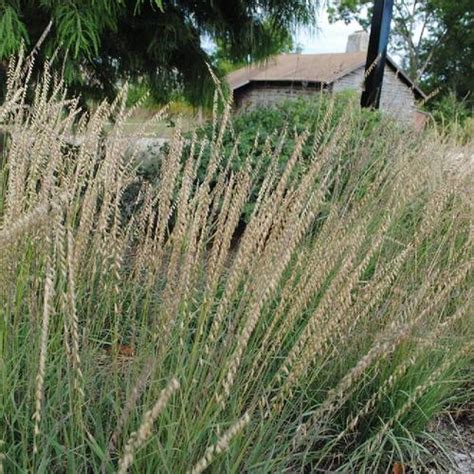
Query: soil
point(456, 432)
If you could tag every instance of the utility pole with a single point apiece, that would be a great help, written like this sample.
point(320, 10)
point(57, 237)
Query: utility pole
point(377, 53)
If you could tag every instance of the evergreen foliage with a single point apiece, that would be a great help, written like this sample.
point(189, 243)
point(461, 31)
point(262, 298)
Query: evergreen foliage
point(101, 43)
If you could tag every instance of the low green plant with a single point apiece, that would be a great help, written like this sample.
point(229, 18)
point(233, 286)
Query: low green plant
point(453, 117)
point(324, 336)
point(278, 127)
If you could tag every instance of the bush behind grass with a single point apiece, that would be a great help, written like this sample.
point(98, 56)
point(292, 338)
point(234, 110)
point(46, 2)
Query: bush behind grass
point(253, 133)
point(325, 337)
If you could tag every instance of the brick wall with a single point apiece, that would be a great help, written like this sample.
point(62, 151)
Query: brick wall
point(397, 99)
point(264, 94)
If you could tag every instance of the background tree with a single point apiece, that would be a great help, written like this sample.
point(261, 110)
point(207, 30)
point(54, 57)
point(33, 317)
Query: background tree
point(449, 49)
point(102, 42)
point(408, 27)
point(225, 61)
point(434, 38)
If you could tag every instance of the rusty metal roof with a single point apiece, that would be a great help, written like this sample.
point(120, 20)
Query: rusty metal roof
point(311, 68)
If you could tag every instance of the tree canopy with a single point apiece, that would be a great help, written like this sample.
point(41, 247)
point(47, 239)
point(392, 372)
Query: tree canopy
point(98, 43)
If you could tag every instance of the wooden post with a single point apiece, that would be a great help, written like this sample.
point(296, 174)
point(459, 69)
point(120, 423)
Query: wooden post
point(377, 53)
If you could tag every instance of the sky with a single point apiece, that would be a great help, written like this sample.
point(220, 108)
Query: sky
point(328, 38)
point(324, 38)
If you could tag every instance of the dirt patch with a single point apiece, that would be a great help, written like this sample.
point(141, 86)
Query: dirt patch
point(456, 433)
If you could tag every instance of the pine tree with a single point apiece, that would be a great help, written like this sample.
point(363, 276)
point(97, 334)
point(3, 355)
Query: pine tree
point(100, 43)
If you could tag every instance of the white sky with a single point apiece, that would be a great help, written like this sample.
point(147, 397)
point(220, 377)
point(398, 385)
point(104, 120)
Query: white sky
point(328, 38)
point(325, 38)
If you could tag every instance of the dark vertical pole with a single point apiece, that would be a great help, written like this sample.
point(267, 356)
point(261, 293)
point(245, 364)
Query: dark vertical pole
point(377, 53)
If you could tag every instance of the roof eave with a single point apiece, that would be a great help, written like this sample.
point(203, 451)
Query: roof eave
point(419, 94)
point(293, 81)
point(404, 77)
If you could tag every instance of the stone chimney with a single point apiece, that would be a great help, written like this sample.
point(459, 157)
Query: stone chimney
point(357, 41)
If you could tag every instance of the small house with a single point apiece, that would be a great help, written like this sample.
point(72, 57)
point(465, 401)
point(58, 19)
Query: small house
point(294, 75)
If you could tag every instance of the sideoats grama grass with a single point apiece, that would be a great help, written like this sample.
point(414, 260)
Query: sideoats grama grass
point(138, 333)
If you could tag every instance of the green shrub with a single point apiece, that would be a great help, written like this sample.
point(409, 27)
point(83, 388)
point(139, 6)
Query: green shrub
point(454, 118)
point(449, 109)
point(258, 134)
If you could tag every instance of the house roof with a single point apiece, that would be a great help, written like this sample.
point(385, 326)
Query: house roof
point(311, 68)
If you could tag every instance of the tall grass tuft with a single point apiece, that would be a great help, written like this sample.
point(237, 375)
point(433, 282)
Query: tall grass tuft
point(146, 327)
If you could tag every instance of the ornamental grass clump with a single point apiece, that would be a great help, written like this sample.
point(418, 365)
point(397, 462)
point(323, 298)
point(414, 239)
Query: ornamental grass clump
point(147, 326)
